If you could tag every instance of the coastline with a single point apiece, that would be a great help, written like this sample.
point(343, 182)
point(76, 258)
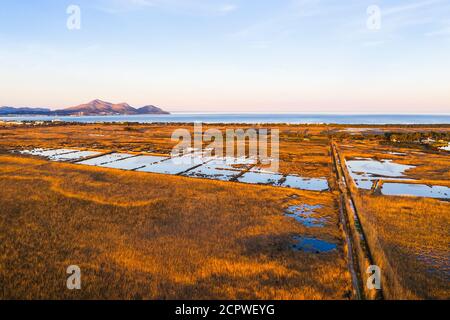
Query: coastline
point(250, 118)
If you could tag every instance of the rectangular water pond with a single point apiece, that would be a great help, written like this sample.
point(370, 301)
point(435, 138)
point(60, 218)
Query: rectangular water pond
point(223, 169)
point(213, 173)
point(312, 184)
point(195, 164)
point(174, 165)
point(108, 158)
point(415, 190)
point(133, 163)
point(232, 163)
point(78, 155)
point(260, 178)
point(366, 170)
point(47, 152)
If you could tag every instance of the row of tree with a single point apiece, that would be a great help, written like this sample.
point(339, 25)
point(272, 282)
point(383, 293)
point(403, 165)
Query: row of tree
point(417, 137)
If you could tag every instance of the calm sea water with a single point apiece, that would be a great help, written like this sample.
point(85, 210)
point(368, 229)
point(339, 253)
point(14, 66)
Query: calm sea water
point(257, 118)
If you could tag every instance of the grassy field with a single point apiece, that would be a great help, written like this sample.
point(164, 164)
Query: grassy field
point(412, 237)
point(149, 236)
point(139, 235)
point(430, 166)
point(303, 151)
point(408, 236)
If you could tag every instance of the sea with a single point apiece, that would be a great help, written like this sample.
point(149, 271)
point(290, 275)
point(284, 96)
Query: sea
point(254, 118)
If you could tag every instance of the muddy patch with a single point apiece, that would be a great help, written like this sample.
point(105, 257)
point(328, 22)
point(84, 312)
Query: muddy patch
point(224, 169)
point(396, 153)
point(208, 172)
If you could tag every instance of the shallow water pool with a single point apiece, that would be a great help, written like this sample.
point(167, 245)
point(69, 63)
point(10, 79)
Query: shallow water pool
point(365, 171)
point(77, 155)
point(304, 214)
point(260, 178)
point(313, 245)
point(106, 159)
point(313, 184)
point(133, 163)
point(416, 190)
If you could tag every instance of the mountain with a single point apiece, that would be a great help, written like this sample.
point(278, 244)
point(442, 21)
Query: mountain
point(23, 111)
point(103, 108)
point(93, 108)
point(98, 107)
point(151, 110)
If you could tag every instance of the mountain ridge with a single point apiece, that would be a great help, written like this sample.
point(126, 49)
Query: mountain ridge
point(95, 107)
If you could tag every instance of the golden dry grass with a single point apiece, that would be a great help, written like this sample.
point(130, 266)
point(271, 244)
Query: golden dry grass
point(430, 165)
point(413, 235)
point(140, 235)
point(408, 236)
point(149, 236)
point(306, 153)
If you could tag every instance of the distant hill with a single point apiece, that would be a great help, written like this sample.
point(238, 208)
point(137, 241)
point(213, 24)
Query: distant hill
point(93, 108)
point(23, 111)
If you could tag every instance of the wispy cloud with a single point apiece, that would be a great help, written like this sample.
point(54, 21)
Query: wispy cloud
point(397, 22)
point(414, 13)
point(410, 6)
point(213, 7)
point(443, 31)
point(280, 23)
point(227, 8)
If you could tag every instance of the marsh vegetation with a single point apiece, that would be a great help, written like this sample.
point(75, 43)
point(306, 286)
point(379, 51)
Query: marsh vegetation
point(147, 235)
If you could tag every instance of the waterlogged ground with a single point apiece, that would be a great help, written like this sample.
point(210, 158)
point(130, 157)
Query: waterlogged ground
point(109, 158)
point(313, 245)
point(402, 198)
point(366, 172)
point(306, 215)
point(138, 235)
point(193, 164)
point(142, 225)
point(417, 190)
point(446, 148)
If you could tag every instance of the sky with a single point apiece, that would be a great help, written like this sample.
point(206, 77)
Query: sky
point(350, 56)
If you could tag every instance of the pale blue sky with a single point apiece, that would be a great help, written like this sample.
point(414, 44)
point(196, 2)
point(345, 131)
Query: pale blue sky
point(228, 55)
